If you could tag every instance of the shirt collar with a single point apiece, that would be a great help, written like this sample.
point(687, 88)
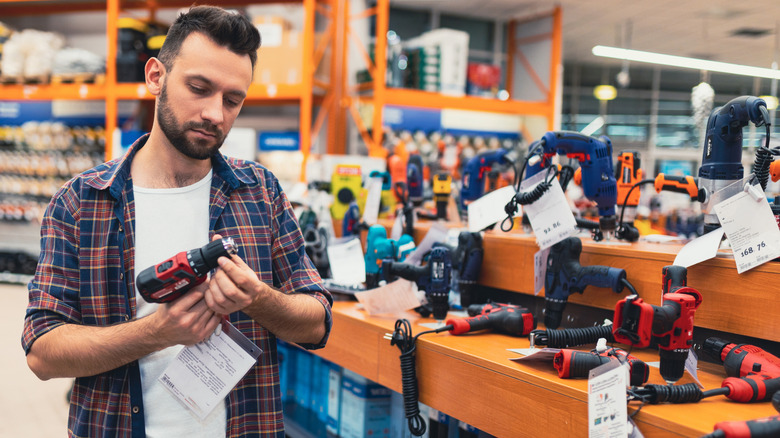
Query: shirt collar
point(113, 175)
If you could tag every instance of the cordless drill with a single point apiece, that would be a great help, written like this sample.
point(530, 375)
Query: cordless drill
point(628, 173)
point(442, 187)
point(753, 374)
point(473, 181)
point(467, 261)
point(721, 162)
point(573, 364)
point(768, 427)
point(434, 278)
point(380, 247)
point(595, 158)
point(171, 278)
point(503, 318)
point(414, 179)
point(637, 323)
point(565, 276)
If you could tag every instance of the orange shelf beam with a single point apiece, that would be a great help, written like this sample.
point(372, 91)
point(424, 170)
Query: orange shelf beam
point(50, 92)
point(426, 99)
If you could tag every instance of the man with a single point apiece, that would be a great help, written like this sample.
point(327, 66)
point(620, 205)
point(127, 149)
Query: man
point(172, 192)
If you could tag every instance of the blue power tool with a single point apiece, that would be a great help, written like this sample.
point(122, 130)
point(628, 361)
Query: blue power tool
point(473, 181)
point(434, 278)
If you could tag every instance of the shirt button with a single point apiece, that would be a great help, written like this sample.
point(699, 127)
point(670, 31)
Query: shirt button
point(127, 317)
point(120, 228)
point(122, 275)
point(136, 409)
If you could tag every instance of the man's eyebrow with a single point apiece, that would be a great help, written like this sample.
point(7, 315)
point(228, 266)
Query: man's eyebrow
point(236, 93)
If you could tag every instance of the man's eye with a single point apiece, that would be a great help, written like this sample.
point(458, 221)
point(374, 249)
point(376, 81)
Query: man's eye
point(231, 103)
point(197, 90)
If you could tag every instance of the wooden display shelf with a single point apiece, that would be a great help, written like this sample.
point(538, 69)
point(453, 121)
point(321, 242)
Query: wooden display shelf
point(508, 264)
point(471, 378)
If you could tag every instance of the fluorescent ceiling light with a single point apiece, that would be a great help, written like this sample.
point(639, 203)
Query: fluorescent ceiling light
point(593, 126)
point(684, 62)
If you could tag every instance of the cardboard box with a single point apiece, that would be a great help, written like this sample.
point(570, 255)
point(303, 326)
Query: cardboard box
point(280, 57)
point(365, 407)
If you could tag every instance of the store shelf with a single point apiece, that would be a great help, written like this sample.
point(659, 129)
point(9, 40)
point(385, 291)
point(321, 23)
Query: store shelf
point(425, 99)
point(53, 92)
point(471, 378)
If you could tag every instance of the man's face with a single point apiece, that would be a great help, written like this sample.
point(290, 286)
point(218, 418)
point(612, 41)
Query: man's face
point(201, 96)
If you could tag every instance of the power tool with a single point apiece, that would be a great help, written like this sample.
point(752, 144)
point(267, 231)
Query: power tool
point(638, 323)
point(628, 173)
point(406, 209)
point(503, 318)
point(684, 184)
point(414, 179)
point(721, 162)
point(378, 248)
point(345, 185)
point(397, 166)
point(171, 278)
point(352, 223)
point(473, 181)
point(595, 158)
point(442, 187)
point(753, 374)
point(315, 239)
point(434, 278)
point(574, 364)
point(565, 276)
point(467, 264)
point(768, 427)
point(387, 200)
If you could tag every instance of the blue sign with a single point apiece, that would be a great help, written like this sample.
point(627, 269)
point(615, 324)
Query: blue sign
point(279, 141)
point(411, 119)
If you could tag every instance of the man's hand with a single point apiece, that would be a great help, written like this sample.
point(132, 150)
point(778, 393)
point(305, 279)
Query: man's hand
point(187, 320)
point(233, 287)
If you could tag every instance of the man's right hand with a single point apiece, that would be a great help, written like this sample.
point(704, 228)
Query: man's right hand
point(187, 320)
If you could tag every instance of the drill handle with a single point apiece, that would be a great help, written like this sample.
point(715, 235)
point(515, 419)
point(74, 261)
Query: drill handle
point(601, 276)
point(751, 388)
point(404, 270)
point(684, 184)
point(673, 277)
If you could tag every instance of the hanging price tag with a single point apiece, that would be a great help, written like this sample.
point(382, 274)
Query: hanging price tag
point(607, 406)
point(489, 209)
point(550, 216)
point(371, 209)
point(751, 229)
point(540, 269)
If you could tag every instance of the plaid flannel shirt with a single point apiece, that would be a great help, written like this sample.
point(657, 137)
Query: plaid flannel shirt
point(86, 276)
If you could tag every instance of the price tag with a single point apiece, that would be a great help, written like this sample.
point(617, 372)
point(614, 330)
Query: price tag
point(751, 229)
point(489, 209)
point(436, 233)
point(397, 296)
point(535, 354)
point(550, 216)
point(347, 263)
point(699, 249)
point(371, 208)
point(607, 406)
point(540, 269)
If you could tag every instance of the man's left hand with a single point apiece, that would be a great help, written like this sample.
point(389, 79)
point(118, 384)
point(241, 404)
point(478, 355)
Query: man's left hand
point(233, 286)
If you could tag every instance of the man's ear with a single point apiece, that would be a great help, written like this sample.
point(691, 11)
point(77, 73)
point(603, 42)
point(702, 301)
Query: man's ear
point(154, 71)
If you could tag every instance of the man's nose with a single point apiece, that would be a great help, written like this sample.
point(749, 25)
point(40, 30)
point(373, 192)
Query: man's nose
point(213, 109)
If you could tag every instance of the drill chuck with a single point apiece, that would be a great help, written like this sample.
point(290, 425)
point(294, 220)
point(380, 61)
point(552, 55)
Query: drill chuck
point(672, 364)
point(205, 259)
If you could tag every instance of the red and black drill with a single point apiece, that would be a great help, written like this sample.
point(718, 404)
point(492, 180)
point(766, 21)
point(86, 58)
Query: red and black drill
point(767, 427)
point(504, 318)
point(638, 323)
point(573, 364)
point(170, 279)
point(753, 374)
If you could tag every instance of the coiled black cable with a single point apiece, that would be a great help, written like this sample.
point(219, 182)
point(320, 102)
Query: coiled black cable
point(654, 394)
point(572, 337)
point(764, 155)
point(402, 337)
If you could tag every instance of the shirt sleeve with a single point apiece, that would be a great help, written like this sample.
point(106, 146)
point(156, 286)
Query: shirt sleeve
point(54, 290)
point(292, 267)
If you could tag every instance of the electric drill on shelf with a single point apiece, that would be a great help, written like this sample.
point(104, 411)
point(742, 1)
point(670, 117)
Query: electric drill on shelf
point(414, 179)
point(473, 181)
point(171, 278)
point(565, 276)
point(721, 163)
point(628, 173)
point(442, 187)
point(595, 158)
point(503, 318)
point(637, 323)
point(753, 374)
point(573, 364)
point(467, 262)
point(434, 278)
point(767, 427)
point(380, 247)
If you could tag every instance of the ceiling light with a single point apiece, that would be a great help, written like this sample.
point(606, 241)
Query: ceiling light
point(593, 126)
point(605, 92)
point(771, 102)
point(684, 62)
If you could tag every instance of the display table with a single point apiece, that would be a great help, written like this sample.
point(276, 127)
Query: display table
point(471, 378)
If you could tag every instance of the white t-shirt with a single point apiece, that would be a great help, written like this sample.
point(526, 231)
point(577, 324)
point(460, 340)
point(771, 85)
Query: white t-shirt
point(168, 221)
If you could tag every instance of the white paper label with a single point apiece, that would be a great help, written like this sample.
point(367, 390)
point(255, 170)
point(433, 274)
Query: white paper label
point(550, 216)
point(436, 233)
point(751, 229)
point(535, 354)
point(607, 406)
point(346, 261)
point(371, 208)
point(692, 365)
point(700, 249)
point(398, 225)
point(540, 269)
point(203, 374)
point(397, 296)
point(489, 209)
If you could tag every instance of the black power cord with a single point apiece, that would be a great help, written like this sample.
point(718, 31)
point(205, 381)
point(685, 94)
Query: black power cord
point(402, 337)
point(654, 394)
point(572, 337)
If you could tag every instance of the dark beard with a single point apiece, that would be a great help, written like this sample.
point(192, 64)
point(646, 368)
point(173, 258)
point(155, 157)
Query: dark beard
point(176, 133)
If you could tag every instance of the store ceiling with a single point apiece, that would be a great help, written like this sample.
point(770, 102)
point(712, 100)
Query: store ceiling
point(708, 29)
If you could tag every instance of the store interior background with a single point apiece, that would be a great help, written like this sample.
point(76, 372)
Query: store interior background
point(651, 114)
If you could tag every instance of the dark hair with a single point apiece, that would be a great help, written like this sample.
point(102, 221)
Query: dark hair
point(227, 29)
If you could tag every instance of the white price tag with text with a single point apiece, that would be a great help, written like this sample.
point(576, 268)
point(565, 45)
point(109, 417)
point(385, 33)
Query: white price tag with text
point(489, 209)
point(347, 264)
point(371, 208)
point(607, 406)
point(203, 374)
point(550, 216)
point(751, 229)
point(397, 296)
point(540, 269)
